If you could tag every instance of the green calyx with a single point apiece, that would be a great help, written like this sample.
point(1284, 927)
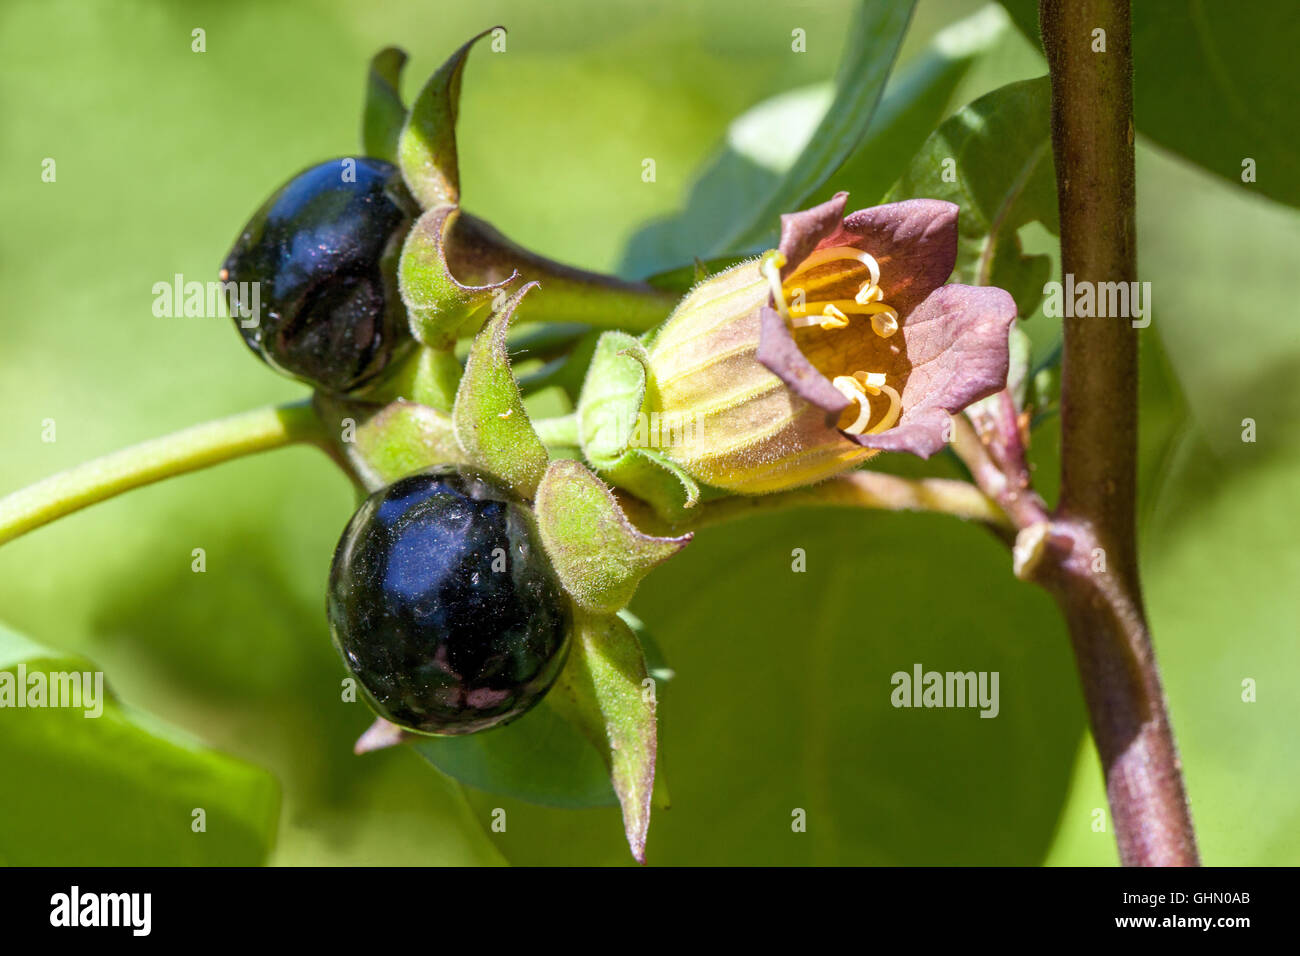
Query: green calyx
point(599, 555)
point(457, 277)
point(604, 694)
point(614, 428)
point(453, 265)
point(489, 419)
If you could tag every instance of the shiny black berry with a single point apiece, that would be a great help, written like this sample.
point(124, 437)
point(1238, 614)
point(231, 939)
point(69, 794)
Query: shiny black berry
point(444, 606)
point(323, 250)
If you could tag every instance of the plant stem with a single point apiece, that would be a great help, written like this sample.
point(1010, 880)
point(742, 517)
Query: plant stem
point(1091, 564)
point(190, 450)
point(477, 253)
point(856, 489)
point(999, 468)
point(428, 376)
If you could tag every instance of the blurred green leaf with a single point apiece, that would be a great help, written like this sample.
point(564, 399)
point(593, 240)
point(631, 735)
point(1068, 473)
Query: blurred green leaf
point(873, 40)
point(776, 668)
point(145, 781)
point(764, 144)
point(541, 758)
point(1222, 271)
point(783, 150)
point(915, 102)
point(1206, 85)
point(993, 158)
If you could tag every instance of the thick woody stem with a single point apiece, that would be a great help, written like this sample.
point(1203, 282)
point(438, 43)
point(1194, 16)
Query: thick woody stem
point(1091, 563)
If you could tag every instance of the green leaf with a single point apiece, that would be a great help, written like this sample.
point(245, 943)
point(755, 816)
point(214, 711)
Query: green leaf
point(384, 116)
point(426, 148)
point(780, 152)
point(874, 37)
point(599, 555)
point(608, 693)
point(1207, 86)
point(103, 785)
point(1221, 269)
point(993, 158)
point(541, 758)
point(489, 419)
point(915, 102)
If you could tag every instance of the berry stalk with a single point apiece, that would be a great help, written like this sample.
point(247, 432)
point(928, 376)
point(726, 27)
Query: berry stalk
point(192, 449)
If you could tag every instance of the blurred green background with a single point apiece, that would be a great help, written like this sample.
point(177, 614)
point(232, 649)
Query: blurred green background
point(780, 699)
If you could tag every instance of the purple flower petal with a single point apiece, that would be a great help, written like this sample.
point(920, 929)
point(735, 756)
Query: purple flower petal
point(803, 231)
point(777, 350)
point(915, 243)
point(954, 337)
point(956, 342)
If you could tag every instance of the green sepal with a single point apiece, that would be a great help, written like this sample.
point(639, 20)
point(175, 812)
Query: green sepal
point(609, 411)
point(426, 147)
point(384, 115)
point(491, 425)
point(385, 442)
point(654, 479)
point(440, 308)
point(598, 554)
point(656, 666)
point(606, 691)
point(612, 397)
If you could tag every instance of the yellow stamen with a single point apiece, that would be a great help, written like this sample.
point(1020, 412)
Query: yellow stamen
point(871, 381)
point(891, 416)
point(856, 388)
point(831, 314)
point(833, 318)
point(836, 253)
point(869, 293)
point(851, 389)
point(885, 323)
point(884, 319)
point(849, 306)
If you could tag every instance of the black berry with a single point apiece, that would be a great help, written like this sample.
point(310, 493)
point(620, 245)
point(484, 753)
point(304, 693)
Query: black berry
point(444, 606)
point(323, 250)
